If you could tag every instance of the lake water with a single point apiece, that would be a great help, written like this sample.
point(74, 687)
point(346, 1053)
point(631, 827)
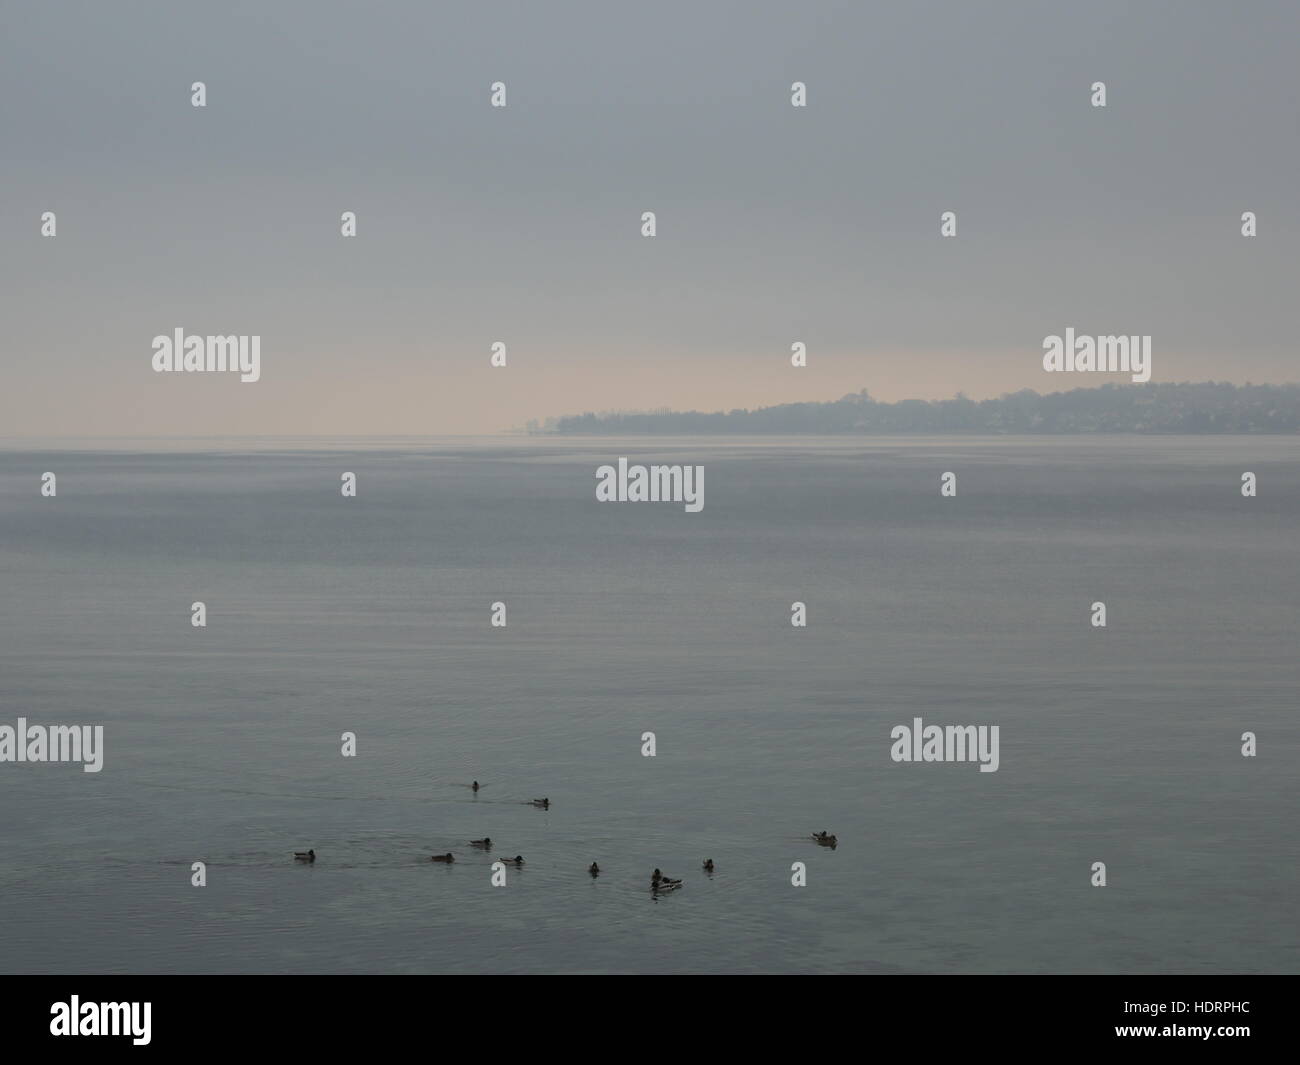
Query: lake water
point(371, 615)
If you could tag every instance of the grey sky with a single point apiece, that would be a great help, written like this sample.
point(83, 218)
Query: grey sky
point(522, 225)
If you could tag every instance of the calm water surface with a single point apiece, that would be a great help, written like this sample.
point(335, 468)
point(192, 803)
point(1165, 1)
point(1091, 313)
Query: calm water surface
point(370, 615)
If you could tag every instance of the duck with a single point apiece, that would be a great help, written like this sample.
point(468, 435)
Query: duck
point(825, 839)
point(304, 856)
point(708, 865)
point(542, 804)
point(659, 887)
point(484, 844)
point(594, 869)
point(474, 786)
point(658, 880)
point(448, 857)
point(516, 860)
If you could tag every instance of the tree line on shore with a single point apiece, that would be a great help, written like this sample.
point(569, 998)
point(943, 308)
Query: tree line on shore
point(1208, 407)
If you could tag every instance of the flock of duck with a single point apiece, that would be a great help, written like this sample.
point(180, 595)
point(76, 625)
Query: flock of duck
point(659, 884)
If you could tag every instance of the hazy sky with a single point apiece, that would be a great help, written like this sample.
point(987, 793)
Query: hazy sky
point(522, 225)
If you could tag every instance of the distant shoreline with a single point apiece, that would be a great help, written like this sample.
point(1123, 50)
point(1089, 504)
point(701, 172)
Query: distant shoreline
point(1187, 409)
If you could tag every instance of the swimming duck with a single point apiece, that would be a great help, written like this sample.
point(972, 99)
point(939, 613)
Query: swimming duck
point(485, 843)
point(594, 870)
point(448, 857)
point(658, 880)
point(708, 865)
point(825, 839)
point(516, 860)
point(474, 785)
point(542, 804)
point(304, 856)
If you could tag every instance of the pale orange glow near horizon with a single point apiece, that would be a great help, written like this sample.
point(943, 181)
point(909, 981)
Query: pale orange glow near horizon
point(441, 396)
